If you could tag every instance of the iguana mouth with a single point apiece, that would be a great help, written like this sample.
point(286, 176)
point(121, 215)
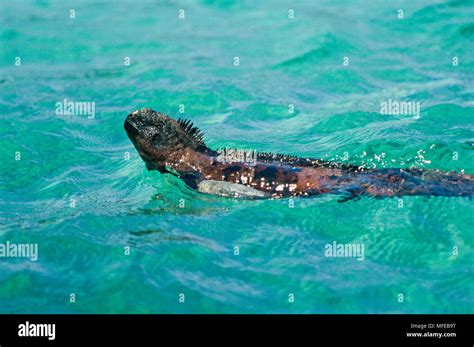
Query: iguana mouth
point(130, 127)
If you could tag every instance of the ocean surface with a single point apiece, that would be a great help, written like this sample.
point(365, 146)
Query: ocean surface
point(301, 77)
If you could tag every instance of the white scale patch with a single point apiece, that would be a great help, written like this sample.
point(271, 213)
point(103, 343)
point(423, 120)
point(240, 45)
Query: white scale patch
point(230, 189)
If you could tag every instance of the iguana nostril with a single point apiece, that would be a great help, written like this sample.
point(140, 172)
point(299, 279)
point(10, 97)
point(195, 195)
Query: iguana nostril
point(130, 127)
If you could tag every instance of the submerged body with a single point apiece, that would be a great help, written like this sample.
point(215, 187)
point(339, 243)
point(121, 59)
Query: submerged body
point(177, 147)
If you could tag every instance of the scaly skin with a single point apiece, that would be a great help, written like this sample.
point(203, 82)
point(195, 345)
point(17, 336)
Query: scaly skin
point(176, 147)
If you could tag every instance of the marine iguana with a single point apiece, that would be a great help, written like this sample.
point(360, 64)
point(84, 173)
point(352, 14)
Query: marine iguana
point(177, 147)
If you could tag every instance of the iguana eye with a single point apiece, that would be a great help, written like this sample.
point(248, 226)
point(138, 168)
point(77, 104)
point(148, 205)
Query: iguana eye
point(156, 140)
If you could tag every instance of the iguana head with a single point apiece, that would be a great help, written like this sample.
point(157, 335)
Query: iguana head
point(160, 140)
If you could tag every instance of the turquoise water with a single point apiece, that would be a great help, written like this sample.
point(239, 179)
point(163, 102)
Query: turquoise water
point(182, 242)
